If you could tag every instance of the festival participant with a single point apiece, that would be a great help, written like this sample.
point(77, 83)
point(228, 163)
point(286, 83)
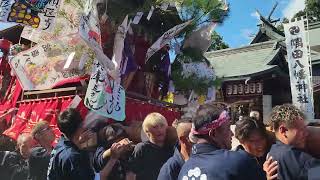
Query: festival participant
point(288, 122)
point(211, 158)
point(270, 166)
point(255, 114)
point(111, 156)
point(253, 138)
point(24, 144)
point(148, 157)
point(8, 158)
point(68, 161)
point(21, 169)
point(170, 170)
point(40, 156)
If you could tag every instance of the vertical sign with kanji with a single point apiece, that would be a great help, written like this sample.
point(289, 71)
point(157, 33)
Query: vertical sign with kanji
point(299, 67)
point(104, 95)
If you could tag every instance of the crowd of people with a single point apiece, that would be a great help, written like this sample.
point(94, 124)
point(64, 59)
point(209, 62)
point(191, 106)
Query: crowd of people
point(197, 149)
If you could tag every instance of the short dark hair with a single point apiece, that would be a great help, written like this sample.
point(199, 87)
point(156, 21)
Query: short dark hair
point(69, 121)
point(246, 126)
point(111, 133)
point(286, 113)
point(7, 143)
point(207, 113)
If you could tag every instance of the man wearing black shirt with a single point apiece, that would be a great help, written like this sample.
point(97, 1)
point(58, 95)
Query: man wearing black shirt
point(170, 170)
point(110, 159)
point(148, 157)
point(40, 156)
point(21, 169)
point(68, 161)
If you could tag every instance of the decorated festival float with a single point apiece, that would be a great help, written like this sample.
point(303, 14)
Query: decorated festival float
point(116, 60)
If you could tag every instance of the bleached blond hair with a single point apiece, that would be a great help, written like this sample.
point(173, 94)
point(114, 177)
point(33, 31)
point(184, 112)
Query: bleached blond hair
point(153, 119)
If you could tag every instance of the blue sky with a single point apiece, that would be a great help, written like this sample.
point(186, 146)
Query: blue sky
point(242, 21)
point(4, 25)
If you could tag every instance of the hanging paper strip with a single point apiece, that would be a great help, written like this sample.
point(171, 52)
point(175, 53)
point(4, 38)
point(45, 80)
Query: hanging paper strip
point(118, 49)
point(89, 29)
point(166, 38)
point(38, 14)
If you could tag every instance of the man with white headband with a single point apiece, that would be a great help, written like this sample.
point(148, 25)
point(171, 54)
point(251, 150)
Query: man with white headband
point(211, 158)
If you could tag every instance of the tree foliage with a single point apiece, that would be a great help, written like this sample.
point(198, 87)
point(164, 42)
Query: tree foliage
point(313, 8)
point(201, 10)
point(217, 43)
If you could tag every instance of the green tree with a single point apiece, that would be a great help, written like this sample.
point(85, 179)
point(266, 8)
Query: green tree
point(217, 43)
point(313, 8)
point(200, 10)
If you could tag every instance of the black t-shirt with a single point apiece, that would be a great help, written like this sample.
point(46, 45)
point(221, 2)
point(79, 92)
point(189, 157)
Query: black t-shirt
point(38, 164)
point(13, 166)
point(147, 160)
point(118, 171)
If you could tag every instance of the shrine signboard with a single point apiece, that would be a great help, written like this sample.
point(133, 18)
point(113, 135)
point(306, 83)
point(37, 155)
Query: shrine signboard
point(240, 89)
point(299, 67)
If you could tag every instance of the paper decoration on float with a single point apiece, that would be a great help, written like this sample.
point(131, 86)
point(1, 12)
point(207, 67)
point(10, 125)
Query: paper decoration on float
point(201, 38)
point(89, 31)
point(38, 14)
point(118, 49)
point(150, 13)
point(67, 22)
point(137, 18)
point(41, 67)
point(104, 95)
point(166, 38)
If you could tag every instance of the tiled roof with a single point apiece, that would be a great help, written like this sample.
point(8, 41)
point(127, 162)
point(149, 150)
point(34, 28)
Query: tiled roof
point(245, 61)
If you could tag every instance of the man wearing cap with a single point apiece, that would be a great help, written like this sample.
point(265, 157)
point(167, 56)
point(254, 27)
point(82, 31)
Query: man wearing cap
point(211, 158)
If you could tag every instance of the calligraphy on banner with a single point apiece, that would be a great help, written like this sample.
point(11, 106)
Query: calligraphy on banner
point(42, 67)
point(299, 67)
point(89, 29)
point(67, 22)
point(166, 38)
point(39, 14)
point(104, 95)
